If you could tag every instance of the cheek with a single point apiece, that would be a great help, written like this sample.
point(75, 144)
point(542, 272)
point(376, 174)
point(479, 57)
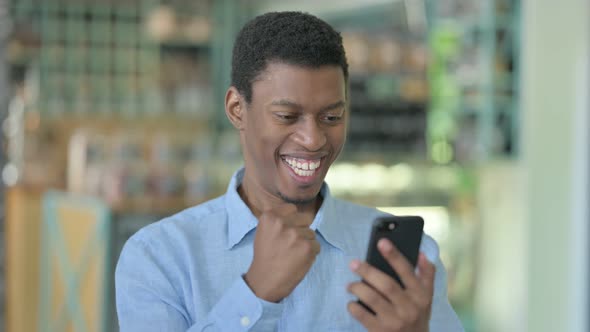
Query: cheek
point(337, 137)
point(263, 143)
point(256, 135)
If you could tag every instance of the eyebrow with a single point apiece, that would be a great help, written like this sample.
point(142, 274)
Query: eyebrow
point(288, 103)
point(292, 104)
point(334, 106)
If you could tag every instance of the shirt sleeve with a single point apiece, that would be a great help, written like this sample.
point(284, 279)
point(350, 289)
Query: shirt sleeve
point(443, 317)
point(147, 299)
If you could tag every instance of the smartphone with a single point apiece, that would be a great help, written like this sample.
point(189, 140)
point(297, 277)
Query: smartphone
point(405, 232)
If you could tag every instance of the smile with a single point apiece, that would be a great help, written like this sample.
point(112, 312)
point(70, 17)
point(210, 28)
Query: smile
point(303, 167)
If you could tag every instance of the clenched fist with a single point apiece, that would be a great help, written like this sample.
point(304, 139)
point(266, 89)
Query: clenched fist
point(284, 251)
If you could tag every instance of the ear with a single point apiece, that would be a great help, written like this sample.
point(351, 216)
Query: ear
point(235, 108)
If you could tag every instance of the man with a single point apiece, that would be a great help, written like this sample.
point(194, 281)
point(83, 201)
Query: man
point(277, 252)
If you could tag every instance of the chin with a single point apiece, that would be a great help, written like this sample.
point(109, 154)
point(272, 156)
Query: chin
point(301, 200)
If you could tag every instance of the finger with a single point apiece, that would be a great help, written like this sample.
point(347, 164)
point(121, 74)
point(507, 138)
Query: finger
point(422, 296)
point(287, 209)
point(316, 247)
point(372, 298)
point(426, 273)
point(271, 218)
point(268, 216)
point(367, 319)
point(284, 212)
point(297, 221)
point(306, 233)
point(380, 281)
point(399, 263)
point(308, 240)
point(309, 249)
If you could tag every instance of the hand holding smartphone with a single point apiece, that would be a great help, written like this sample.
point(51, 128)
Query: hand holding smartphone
point(405, 232)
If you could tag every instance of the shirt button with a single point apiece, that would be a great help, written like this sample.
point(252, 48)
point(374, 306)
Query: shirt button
point(245, 321)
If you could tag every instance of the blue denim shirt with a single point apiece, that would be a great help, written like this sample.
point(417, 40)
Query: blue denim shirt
point(184, 273)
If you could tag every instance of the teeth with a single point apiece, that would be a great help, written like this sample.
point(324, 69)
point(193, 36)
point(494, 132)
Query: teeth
point(303, 167)
point(303, 173)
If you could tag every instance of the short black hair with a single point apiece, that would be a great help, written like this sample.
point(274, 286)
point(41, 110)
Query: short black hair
point(286, 37)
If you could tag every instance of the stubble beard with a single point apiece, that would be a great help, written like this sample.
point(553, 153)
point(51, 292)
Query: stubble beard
point(297, 201)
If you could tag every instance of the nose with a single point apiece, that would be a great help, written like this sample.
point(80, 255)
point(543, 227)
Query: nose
point(310, 135)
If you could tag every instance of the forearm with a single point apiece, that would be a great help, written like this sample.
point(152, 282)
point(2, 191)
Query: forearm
point(142, 309)
point(240, 310)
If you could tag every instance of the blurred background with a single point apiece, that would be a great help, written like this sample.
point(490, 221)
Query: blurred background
point(471, 113)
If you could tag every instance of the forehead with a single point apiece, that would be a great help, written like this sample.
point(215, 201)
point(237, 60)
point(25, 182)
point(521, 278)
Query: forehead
point(306, 85)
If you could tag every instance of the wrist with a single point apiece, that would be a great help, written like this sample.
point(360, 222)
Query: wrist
point(260, 292)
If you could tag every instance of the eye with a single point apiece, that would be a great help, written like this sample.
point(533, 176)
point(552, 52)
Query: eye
point(332, 119)
point(286, 117)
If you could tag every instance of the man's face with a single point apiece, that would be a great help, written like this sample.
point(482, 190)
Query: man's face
point(293, 130)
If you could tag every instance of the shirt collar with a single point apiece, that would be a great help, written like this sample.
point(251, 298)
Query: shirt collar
point(241, 220)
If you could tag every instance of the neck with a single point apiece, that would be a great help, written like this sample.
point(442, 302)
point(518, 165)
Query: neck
point(266, 201)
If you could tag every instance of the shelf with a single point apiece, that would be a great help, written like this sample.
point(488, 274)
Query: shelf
point(184, 44)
